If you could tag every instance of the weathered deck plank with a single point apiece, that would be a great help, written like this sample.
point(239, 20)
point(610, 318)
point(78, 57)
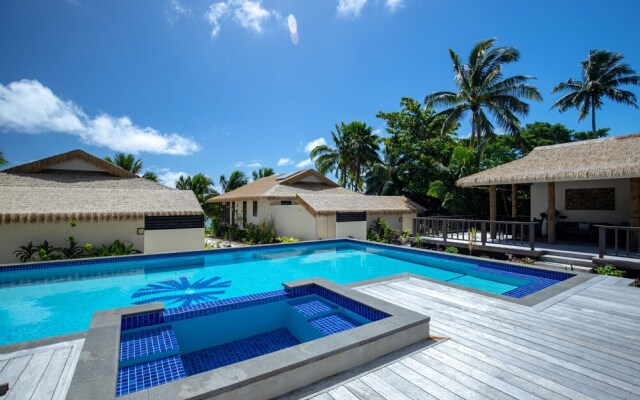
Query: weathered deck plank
point(582, 345)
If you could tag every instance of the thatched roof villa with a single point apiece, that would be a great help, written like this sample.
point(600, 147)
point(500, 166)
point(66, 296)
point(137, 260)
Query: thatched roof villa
point(588, 182)
point(307, 205)
point(39, 199)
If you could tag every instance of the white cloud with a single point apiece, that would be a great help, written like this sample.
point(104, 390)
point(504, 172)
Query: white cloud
point(250, 164)
point(394, 5)
point(292, 24)
point(28, 106)
point(284, 161)
point(313, 144)
point(350, 8)
point(214, 14)
point(176, 10)
point(304, 163)
point(169, 178)
point(249, 14)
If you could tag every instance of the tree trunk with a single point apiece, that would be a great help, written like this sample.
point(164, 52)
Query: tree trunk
point(357, 176)
point(593, 119)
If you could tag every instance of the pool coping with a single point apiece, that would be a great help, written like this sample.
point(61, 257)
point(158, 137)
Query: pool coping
point(266, 376)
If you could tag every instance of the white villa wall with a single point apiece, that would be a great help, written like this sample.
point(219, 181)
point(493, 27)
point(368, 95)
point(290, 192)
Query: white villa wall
point(356, 230)
point(97, 233)
point(621, 214)
point(294, 221)
point(166, 240)
point(396, 221)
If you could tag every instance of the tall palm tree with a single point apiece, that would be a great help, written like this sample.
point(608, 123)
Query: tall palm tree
point(602, 73)
point(482, 88)
point(3, 161)
point(364, 147)
point(236, 179)
point(262, 173)
point(202, 186)
point(335, 159)
point(131, 164)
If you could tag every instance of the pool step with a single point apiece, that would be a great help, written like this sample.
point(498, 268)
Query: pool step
point(147, 374)
point(564, 267)
point(312, 305)
point(147, 345)
point(333, 323)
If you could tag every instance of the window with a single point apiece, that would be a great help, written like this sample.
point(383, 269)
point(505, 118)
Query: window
point(255, 208)
point(351, 216)
point(285, 203)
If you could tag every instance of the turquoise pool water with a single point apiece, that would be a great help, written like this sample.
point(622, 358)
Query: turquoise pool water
point(39, 303)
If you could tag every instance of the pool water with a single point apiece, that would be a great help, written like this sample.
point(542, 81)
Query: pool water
point(38, 303)
point(157, 354)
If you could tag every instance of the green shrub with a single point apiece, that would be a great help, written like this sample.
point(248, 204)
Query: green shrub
point(287, 239)
point(264, 233)
point(417, 242)
point(117, 248)
point(608, 270)
point(451, 249)
point(26, 253)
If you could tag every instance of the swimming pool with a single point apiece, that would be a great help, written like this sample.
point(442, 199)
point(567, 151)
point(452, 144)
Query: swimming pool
point(49, 299)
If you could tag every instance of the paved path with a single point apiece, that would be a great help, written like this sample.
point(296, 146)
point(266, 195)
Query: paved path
point(40, 373)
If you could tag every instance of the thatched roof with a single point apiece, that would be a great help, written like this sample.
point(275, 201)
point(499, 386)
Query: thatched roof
point(47, 163)
point(326, 204)
point(609, 158)
point(34, 193)
point(318, 194)
point(282, 187)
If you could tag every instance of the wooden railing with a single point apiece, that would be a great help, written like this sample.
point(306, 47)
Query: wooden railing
point(629, 235)
point(504, 232)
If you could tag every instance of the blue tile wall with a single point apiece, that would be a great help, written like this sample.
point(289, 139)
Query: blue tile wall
point(154, 373)
point(333, 323)
point(150, 341)
point(141, 320)
point(311, 306)
point(239, 350)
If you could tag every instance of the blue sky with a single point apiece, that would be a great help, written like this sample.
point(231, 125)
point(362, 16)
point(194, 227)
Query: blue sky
point(213, 86)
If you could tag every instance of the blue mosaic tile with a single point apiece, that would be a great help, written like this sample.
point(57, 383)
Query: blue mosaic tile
point(311, 306)
point(146, 375)
point(141, 320)
point(363, 310)
point(333, 323)
point(146, 342)
point(239, 350)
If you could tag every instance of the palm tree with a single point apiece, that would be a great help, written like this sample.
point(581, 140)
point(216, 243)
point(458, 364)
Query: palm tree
point(335, 159)
point(262, 173)
point(202, 186)
point(482, 88)
point(364, 147)
point(602, 73)
point(131, 164)
point(236, 179)
point(3, 161)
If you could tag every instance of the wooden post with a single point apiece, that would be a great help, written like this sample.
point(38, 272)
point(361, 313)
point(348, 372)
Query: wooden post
point(551, 212)
point(634, 186)
point(514, 202)
point(493, 210)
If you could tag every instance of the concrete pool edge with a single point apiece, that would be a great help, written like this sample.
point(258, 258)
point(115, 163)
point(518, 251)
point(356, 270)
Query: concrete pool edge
point(266, 376)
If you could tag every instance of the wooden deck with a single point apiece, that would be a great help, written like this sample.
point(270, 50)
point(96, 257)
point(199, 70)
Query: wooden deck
point(40, 373)
point(584, 344)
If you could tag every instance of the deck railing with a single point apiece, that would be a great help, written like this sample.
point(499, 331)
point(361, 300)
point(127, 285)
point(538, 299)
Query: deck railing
point(628, 235)
point(506, 232)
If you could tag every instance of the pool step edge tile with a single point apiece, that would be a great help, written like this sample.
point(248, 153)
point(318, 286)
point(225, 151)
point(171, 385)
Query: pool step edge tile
point(147, 345)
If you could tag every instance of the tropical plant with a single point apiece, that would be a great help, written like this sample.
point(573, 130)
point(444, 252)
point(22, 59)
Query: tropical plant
point(202, 187)
point(131, 164)
point(47, 252)
point(473, 239)
point(482, 88)
point(236, 180)
point(335, 159)
point(603, 72)
point(451, 250)
point(27, 252)
point(3, 161)
point(262, 173)
point(117, 248)
point(263, 233)
point(287, 239)
point(364, 147)
point(609, 270)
